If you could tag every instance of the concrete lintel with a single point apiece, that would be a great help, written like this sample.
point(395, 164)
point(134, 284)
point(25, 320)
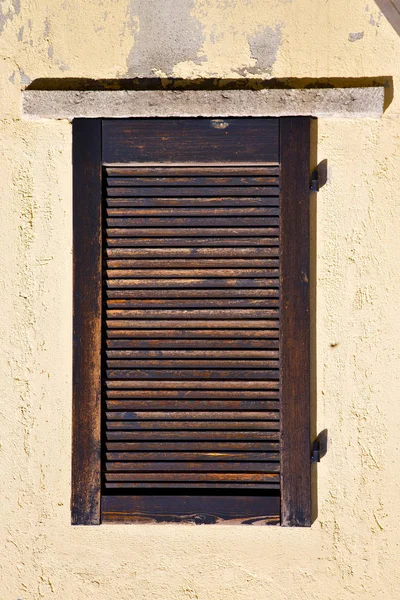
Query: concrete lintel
point(322, 102)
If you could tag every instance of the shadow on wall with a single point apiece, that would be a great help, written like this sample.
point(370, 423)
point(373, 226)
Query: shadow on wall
point(391, 10)
point(151, 83)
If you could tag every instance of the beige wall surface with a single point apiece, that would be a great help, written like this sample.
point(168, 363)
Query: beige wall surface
point(352, 549)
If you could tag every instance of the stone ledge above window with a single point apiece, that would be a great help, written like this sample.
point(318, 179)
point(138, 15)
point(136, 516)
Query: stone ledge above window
point(357, 102)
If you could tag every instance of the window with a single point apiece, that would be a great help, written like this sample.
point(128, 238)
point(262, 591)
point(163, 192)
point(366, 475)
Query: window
point(191, 321)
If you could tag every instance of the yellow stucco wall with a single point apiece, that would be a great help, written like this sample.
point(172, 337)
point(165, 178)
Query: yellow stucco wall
point(353, 549)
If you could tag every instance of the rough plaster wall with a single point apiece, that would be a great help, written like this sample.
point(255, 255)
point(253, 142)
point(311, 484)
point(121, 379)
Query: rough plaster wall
point(351, 551)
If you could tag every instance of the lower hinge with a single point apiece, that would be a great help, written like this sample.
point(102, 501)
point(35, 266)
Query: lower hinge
point(314, 185)
point(320, 446)
point(316, 452)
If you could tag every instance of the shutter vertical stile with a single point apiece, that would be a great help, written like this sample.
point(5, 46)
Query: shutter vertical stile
point(191, 379)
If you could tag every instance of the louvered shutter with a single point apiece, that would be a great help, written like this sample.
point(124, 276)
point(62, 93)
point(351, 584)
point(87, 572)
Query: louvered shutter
point(192, 327)
point(191, 364)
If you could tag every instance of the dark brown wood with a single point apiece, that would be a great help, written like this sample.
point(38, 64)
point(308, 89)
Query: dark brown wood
point(192, 180)
point(242, 140)
point(187, 211)
point(228, 425)
point(182, 263)
point(295, 322)
point(229, 384)
point(194, 303)
point(233, 313)
point(231, 253)
point(161, 344)
point(189, 282)
point(232, 509)
point(193, 323)
point(183, 374)
point(193, 456)
point(192, 171)
point(87, 195)
point(169, 468)
point(196, 242)
point(217, 485)
point(194, 436)
point(204, 414)
point(221, 201)
point(192, 231)
point(156, 403)
point(189, 354)
point(187, 334)
point(194, 446)
point(174, 192)
point(194, 477)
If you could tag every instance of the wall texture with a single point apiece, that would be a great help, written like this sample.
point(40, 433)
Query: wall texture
point(351, 551)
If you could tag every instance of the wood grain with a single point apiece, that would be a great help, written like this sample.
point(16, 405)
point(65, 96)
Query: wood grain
point(295, 322)
point(87, 233)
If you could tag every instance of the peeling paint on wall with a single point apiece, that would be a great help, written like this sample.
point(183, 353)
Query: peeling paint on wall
point(264, 47)
point(167, 34)
point(5, 15)
point(354, 37)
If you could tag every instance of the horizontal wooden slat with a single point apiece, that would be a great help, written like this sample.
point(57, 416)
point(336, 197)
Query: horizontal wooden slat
point(222, 303)
point(196, 242)
point(209, 485)
point(207, 293)
point(187, 180)
point(185, 344)
point(271, 335)
point(168, 323)
point(192, 354)
point(221, 201)
point(229, 445)
point(195, 456)
point(192, 364)
point(193, 467)
point(183, 263)
point(168, 253)
point(190, 222)
point(176, 192)
point(192, 231)
point(192, 170)
point(194, 283)
point(156, 402)
point(195, 211)
point(175, 435)
point(189, 273)
point(253, 477)
point(192, 374)
point(228, 425)
point(204, 313)
point(199, 415)
point(198, 385)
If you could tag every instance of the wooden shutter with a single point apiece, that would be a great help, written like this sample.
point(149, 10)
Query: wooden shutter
point(191, 344)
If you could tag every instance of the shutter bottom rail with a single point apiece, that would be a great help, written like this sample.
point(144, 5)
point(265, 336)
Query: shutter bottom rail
point(241, 508)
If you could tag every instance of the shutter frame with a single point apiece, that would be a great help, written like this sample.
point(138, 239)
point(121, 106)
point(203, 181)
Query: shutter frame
point(87, 298)
point(88, 506)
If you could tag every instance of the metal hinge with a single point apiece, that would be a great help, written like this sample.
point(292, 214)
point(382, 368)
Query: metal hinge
point(314, 185)
point(316, 451)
